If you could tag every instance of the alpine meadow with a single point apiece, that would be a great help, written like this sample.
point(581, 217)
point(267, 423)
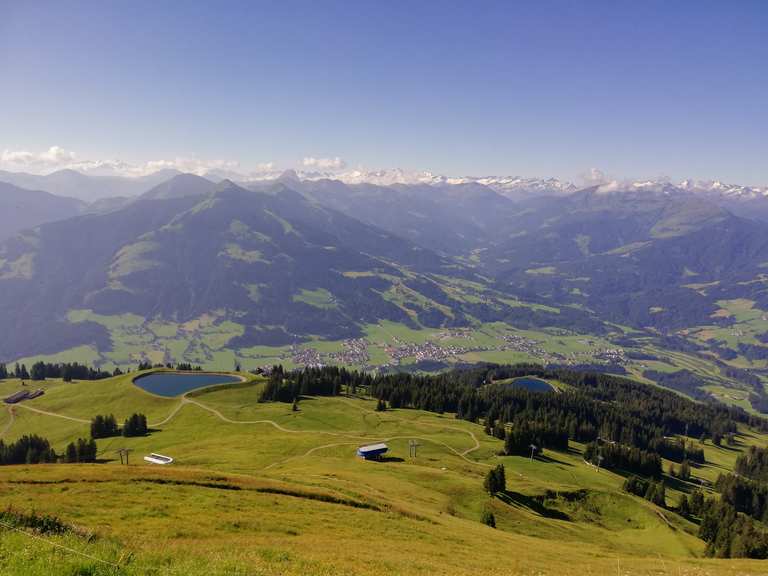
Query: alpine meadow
point(334, 288)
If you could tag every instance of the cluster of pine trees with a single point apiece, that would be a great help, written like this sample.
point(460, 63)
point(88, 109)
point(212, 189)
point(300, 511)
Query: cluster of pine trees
point(727, 532)
point(683, 472)
point(36, 450)
point(753, 464)
point(181, 366)
point(628, 458)
point(745, 495)
point(18, 371)
point(496, 480)
point(27, 450)
point(285, 386)
point(81, 451)
point(278, 387)
point(677, 450)
point(135, 425)
point(66, 371)
point(649, 489)
point(104, 426)
point(525, 436)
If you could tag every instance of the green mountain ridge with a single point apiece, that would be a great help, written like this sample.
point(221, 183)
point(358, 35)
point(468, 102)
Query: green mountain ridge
point(178, 255)
point(306, 272)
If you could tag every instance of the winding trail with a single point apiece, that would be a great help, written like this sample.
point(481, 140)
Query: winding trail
point(443, 426)
point(54, 414)
point(167, 419)
point(221, 416)
point(409, 437)
point(352, 434)
point(173, 413)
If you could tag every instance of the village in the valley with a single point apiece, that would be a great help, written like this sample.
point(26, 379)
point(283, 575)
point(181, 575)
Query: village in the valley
point(443, 347)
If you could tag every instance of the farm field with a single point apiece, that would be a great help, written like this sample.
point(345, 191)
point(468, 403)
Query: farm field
point(261, 489)
point(387, 345)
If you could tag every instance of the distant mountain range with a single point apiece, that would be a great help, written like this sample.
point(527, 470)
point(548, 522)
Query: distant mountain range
point(90, 188)
point(284, 266)
point(21, 209)
point(86, 187)
point(306, 258)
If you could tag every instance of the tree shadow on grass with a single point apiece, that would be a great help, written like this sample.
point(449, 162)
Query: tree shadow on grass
point(546, 458)
point(390, 459)
point(532, 503)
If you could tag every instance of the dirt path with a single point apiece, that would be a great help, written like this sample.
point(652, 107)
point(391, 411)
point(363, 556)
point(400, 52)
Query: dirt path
point(270, 422)
point(54, 414)
point(460, 454)
point(308, 452)
point(228, 420)
point(84, 421)
point(173, 413)
point(352, 434)
point(10, 422)
point(316, 448)
point(470, 433)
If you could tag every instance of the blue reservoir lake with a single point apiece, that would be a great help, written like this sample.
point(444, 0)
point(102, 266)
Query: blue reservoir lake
point(532, 384)
point(176, 383)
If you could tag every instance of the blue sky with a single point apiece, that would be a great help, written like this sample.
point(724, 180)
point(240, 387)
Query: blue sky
point(638, 89)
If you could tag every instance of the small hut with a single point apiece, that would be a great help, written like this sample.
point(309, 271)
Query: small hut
point(372, 451)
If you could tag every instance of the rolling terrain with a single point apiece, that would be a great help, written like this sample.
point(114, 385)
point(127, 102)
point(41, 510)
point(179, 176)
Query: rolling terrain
point(664, 283)
point(261, 488)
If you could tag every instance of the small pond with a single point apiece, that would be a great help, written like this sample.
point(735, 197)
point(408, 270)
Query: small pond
point(176, 383)
point(532, 384)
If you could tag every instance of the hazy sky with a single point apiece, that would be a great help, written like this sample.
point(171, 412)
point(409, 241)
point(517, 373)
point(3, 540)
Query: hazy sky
point(638, 89)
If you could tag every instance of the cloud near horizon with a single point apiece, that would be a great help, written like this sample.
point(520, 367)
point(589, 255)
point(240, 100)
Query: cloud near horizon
point(324, 163)
point(58, 158)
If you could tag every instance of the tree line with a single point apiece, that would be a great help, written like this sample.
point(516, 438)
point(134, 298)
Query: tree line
point(727, 532)
point(105, 426)
point(285, 386)
point(652, 490)
point(29, 449)
point(33, 449)
point(69, 371)
point(591, 406)
point(628, 458)
point(181, 366)
point(745, 495)
point(81, 450)
point(66, 371)
point(734, 525)
point(753, 464)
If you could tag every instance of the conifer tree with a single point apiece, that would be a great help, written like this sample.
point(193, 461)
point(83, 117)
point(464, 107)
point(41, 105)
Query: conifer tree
point(685, 471)
point(71, 454)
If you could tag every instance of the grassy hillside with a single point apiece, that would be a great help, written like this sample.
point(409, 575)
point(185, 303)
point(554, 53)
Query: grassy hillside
point(261, 489)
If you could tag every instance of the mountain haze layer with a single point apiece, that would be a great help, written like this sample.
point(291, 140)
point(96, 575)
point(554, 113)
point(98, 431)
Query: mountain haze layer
point(307, 270)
